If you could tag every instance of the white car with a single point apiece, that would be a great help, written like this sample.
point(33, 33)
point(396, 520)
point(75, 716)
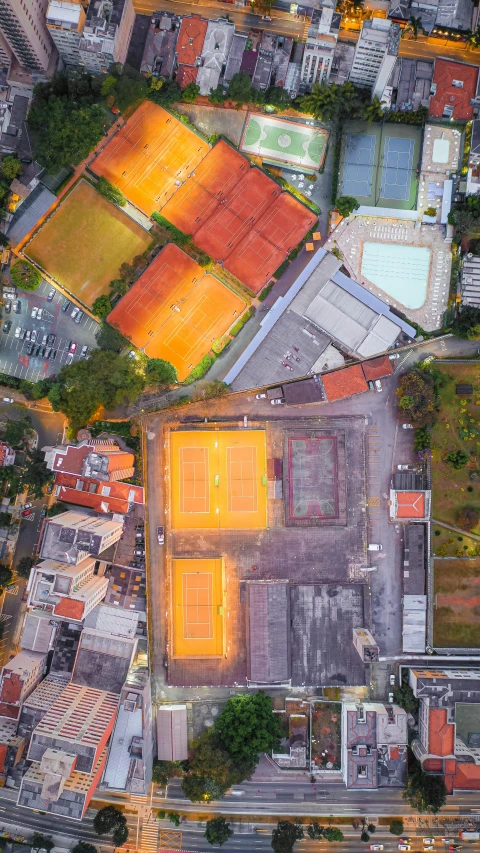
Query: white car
point(373, 547)
point(392, 680)
point(261, 396)
point(18, 331)
point(278, 402)
point(33, 336)
point(376, 847)
point(8, 399)
point(34, 311)
point(378, 385)
point(403, 467)
point(429, 840)
point(69, 358)
point(407, 426)
point(390, 698)
point(404, 846)
point(39, 313)
point(74, 312)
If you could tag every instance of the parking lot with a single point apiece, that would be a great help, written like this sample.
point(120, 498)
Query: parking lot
point(28, 354)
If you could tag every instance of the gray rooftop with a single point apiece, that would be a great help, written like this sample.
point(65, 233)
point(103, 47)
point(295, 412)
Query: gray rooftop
point(159, 53)
point(103, 660)
point(268, 632)
point(29, 213)
point(235, 56)
point(216, 49)
point(414, 560)
point(456, 14)
point(37, 633)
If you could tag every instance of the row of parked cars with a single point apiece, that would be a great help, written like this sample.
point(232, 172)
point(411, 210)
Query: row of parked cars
point(138, 561)
point(76, 313)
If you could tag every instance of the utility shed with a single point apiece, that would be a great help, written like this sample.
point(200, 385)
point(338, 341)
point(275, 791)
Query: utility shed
point(172, 733)
point(268, 632)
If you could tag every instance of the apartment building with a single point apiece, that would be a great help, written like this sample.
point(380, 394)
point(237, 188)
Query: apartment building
point(374, 745)
point(320, 46)
point(375, 54)
point(72, 536)
point(23, 27)
point(130, 758)
point(66, 591)
point(19, 678)
point(96, 458)
point(106, 34)
point(65, 22)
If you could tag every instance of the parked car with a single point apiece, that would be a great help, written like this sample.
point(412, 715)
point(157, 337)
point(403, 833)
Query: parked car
point(378, 385)
point(33, 336)
point(139, 552)
point(69, 358)
point(429, 840)
point(84, 351)
point(18, 331)
point(261, 396)
point(17, 306)
point(7, 326)
point(74, 312)
point(51, 338)
point(53, 354)
point(373, 547)
point(39, 313)
point(43, 513)
point(29, 348)
point(28, 335)
point(8, 307)
point(394, 356)
point(44, 340)
point(376, 847)
point(371, 386)
point(23, 332)
point(407, 426)
point(278, 402)
point(390, 698)
point(392, 680)
point(28, 505)
point(26, 513)
point(66, 305)
point(160, 535)
point(404, 847)
point(79, 317)
point(34, 312)
point(403, 467)
point(8, 400)
point(51, 294)
point(72, 347)
point(47, 352)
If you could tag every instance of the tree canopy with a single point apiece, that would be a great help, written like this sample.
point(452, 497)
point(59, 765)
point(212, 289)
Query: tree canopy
point(110, 192)
point(11, 167)
point(247, 726)
point(467, 323)
point(110, 819)
point(25, 275)
point(110, 339)
point(84, 847)
point(396, 827)
point(167, 94)
point(5, 575)
point(278, 97)
point(190, 92)
point(405, 697)
point(102, 306)
point(334, 102)
point(417, 397)
point(285, 835)
point(346, 204)
point(212, 770)
point(130, 87)
point(218, 831)
point(424, 792)
point(35, 474)
point(467, 518)
point(17, 430)
point(24, 566)
point(160, 372)
point(65, 130)
point(42, 842)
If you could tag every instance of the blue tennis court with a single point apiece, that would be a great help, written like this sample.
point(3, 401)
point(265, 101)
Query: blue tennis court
point(397, 168)
point(359, 165)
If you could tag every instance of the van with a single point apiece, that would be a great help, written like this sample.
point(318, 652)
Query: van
point(378, 385)
point(373, 547)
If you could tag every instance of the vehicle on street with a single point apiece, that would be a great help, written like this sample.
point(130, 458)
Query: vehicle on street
point(390, 698)
point(34, 312)
point(378, 385)
point(376, 847)
point(8, 400)
point(39, 313)
point(43, 513)
point(18, 331)
point(33, 336)
point(407, 426)
point(160, 535)
point(7, 326)
point(465, 835)
point(394, 356)
point(404, 847)
point(404, 839)
point(74, 312)
point(79, 317)
point(428, 847)
point(51, 294)
point(72, 347)
point(392, 680)
point(266, 18)
point(69, 358)
point(29, 348)
point(453, 847)
point(28, 505)
point(17, 306)
point(279, 401)
point(373, 547)
point(429, 840)
point(403, 467)
point(8, 307)
point(26, 513)
point(447, 840)
point(261, 396)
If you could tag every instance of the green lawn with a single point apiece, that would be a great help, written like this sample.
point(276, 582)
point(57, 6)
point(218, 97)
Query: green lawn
point(457, 427)
point(446, 543)
point(456, 613)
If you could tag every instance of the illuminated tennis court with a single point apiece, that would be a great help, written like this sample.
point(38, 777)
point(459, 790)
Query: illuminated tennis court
point(150, 157)
point(218, 479)
point(284, 141)
point(198, 608)
point(176, 310)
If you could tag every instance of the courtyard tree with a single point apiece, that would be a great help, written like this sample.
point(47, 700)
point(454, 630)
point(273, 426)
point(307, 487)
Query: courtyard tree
point(417, 397)
point(167, 94)
point(285, 835)
point(467, 323)
point(16, 432)
point(218, 831)
point(321, 102)
point(65, 130)
point(404, 696)
point(247, 726)
point(424, 792)
point(25, 275)
point(110, 339)
point(5, 576)
point(374, 110)
point(240, 89)
point(346, 204)
point(118, 288)
point(190, 93)
point(467, 518)
point(278, 97)
point(35, 474)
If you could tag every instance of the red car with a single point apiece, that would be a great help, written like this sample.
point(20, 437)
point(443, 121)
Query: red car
point(26, 512)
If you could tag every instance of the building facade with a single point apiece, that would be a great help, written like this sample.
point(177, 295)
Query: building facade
point(19, 678)
point(68, 592)
point(320, 46)
point(23, 26)
point(375, 54)
point(65, 23)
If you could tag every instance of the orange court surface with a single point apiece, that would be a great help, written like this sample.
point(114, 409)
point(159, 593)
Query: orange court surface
point(150, 157)
point(176, 310)
point(218, 479)
point(197, 607)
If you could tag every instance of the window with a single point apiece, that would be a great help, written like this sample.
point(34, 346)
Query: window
point(362, 771)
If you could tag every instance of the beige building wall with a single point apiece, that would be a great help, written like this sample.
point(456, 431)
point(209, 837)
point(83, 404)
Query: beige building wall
point(22, 24)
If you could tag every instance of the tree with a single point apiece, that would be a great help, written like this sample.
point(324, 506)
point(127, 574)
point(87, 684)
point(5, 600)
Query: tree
point(466, 322)
point(120, 833)
point(198, 789)
point(5, 575)
point(467, 518)
point(472, 39)
point(84, 847)
point(285, 835)
point(374, 110)
point(371, 828)
point(165, 770)
point(417, 397)
point(25, 276)
point(160, 372)
point(321, 102)
point(11, 167)
point(131, 88)
point(364, 836)
point(35, 474)
point(424, 793)
point(108, 85)
point(108, 820)
point(118, 288)
point(17, 431)
point(262, 7)
point(110, 192)
point(65, 130)
point(415, 25)
point(240, 88)
point(333, 833)
point(217, 95)
point(456, 458)
point(346, 204)
point(5, 519)
point(208, 390)
point(247, 726)
point(315, 831)
point(218, 831)
point(396, 826)
point(56, 509)
point(169, 92)
point(102, 306)
point(404, 696)
point(190, 92)
point(212, 770)
point(42, 842)
point(174, 818)
point(110, 339)
point(24, 567)
point(278, 97)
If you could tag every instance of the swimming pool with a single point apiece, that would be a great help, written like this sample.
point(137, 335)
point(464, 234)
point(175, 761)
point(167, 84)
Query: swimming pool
point(400, 271)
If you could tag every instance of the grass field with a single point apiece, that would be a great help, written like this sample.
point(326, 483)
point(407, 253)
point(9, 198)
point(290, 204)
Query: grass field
point(447, 543)
point(456, 614)
point(457, 428)
point(85, 243)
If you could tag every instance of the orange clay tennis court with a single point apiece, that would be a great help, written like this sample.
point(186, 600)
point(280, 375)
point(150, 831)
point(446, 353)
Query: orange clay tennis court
point(150, 157)
point(175, 310)
point(218, 479)
point(197, 606)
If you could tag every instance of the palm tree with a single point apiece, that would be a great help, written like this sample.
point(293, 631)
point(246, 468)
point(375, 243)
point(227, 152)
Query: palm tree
point(414, 26)
point(321, 103)
point(348, 100)
point(472, 39)
point(374, 111)
point(357, 5)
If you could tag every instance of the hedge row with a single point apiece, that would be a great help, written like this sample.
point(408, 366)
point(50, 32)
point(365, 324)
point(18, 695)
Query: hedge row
point(237, 328)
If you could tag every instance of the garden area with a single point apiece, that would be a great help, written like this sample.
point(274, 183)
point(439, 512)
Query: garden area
point(326, 735)
point(456, 614)
point(447, 543)
point(456, 456)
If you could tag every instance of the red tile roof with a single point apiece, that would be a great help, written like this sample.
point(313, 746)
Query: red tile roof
point(451, 766)
point(441, 735)
point(103, 497)
point(185, 75)
point(190, 39)
point(376, 368)
point(345, 382)
point(467, 777)
point(410, 505)
point(448, 94)
point(12, 687)
point(433, 765)
point(70, 608)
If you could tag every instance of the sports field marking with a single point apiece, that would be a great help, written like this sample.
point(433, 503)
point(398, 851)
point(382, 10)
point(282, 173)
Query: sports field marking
point(359, 164)
point(197, 598)
point(194, 478)
point(289, 142)
point(397, 168)
point(242, 488)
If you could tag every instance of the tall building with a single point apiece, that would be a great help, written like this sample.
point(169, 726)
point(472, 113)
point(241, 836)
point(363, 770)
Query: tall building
point(97, 459)
point(375, 54)
point(65, 23)
point(19, 678)
point(106, 34)
point(130, 757)
point(374, 745)
point(22, 24)
point(320, 46)
point(72, 536)
point(68, 592)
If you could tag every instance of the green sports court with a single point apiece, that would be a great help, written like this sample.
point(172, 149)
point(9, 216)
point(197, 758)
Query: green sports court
point(283, 141)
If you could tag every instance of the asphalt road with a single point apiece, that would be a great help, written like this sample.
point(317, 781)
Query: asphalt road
point(14, 359)
point(29, 821)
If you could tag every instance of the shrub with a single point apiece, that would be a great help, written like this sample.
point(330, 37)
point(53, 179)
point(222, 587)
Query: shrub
point(281, 269)
point(220, 344)
point(266, 290)
point(456, 458)
point(237, 328)
point(467, 518)
point(177, 236)
point(437, 533)
point(396, 827)
point(200, 370)
point(110, 192)
point(25, 276)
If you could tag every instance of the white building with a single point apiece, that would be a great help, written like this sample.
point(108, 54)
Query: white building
point(72, 536)
point(68, 592)
point(320, 46)
point(23, 27)
point(65, 22)
point(375, 54)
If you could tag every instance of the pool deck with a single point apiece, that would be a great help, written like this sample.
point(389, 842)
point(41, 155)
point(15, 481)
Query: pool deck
point(353, 232)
